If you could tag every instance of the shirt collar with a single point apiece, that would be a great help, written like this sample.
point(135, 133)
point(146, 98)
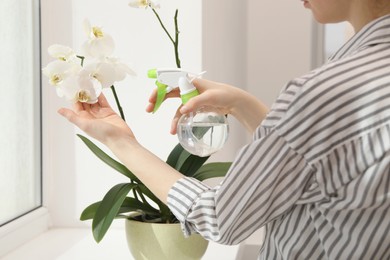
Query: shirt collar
point(375, 32)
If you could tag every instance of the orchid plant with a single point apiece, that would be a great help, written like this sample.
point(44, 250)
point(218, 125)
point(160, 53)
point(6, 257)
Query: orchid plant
point(82, 78)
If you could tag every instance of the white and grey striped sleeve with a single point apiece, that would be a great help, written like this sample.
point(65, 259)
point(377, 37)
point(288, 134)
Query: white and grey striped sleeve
point(265, 181)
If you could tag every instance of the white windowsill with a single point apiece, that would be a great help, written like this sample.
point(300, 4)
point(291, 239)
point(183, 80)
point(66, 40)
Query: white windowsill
point(23, 229)
point(75, 244)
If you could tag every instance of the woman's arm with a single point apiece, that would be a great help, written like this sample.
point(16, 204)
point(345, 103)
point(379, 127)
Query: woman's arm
point(246, 108)
point(102, 123)
point(157, 175)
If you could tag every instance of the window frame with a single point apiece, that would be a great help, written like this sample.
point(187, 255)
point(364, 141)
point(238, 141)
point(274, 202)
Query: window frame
point(36, 221)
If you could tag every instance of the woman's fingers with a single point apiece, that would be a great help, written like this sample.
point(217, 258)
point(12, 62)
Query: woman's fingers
point(86, 107)
point(195, 102)
point(175, 120)
point(150, 107)
point(78, 107)
point(70, 115)
point(102, 101)
point(153, 98)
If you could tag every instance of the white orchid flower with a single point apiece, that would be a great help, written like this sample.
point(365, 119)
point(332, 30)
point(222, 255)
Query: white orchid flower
point(108, 71)
point(62, 52)
point(144, 3)
point(80, 88)
point(57, 71)
point(121, 69)
point(101, 71)
point(99, 43)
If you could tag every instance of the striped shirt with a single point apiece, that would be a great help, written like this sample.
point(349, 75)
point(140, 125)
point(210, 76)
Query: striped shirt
point(317, 173)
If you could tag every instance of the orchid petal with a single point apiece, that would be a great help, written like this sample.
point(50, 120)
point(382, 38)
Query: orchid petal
point(87, 27)
point(81, 88)
point(61, 52)
point(99, 47)
point(99, 43)
point(144, 3)
point(121, 69)
point(90, 90)
point(57, 71)
point(103, 72)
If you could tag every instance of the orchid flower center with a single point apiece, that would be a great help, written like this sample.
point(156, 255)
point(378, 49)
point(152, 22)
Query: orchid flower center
point(83, 96)
point(97, 32)
point(55, 80)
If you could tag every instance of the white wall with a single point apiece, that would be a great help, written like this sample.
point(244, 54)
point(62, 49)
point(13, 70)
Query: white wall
point(252, 44)
point(279, 45)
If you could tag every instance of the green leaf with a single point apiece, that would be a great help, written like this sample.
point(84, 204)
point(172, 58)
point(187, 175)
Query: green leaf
point(182, 158)
point(148, 193)
point(109, 208)
point(212, 170)
point(185, 162)
point(90, 211)
point(131, 204)
point(128, 205)
point(165, 211)
point(175, 155)
point(192, 164)
point(107, 159)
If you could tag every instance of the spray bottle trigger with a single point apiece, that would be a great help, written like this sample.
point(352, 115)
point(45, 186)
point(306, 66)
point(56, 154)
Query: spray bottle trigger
point(161, 92)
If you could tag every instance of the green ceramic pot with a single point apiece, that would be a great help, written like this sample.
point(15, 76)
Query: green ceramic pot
point(155, 241)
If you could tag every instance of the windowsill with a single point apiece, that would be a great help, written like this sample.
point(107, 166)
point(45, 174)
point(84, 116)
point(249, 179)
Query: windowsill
point(74, 244)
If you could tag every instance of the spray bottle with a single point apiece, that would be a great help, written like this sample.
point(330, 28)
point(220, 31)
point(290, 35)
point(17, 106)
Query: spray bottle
point(202, 132)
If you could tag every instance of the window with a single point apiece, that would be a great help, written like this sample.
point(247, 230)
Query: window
point(20, 139)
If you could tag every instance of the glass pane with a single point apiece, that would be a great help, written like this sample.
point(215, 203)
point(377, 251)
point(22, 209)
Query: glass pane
point(20, 174)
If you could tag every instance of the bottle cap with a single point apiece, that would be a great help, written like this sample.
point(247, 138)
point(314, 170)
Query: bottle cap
point(187, 90)
point(185, 86)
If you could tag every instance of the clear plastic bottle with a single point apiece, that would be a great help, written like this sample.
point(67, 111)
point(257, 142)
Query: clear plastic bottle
point(203, 132)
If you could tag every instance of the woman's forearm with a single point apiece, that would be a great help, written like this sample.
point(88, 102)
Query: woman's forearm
point(248, 110)
point(152, 171)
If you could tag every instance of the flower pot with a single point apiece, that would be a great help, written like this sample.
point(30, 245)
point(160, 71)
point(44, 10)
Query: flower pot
point(156, 241)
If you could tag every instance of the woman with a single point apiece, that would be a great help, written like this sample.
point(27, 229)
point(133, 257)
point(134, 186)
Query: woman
point(317, 173)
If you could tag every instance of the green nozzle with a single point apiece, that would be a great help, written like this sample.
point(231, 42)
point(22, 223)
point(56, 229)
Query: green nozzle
point(152, 73)
point(161, 92)
point(186, 97)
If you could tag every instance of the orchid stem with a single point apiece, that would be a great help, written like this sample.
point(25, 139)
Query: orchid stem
point(175, 41)
point(163, 26)
point(118, 103)
point(82, 59)
point(176, 44)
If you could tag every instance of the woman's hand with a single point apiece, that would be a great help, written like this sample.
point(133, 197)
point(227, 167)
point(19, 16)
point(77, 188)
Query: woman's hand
point(98, 120)
point(224, 98)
